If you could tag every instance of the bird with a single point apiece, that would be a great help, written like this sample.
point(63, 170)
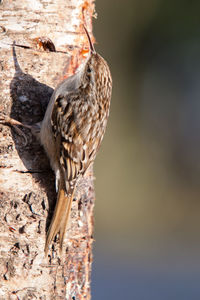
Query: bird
point(72, 131)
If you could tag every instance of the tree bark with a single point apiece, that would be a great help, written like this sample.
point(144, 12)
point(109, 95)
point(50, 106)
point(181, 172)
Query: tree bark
point(28, 74)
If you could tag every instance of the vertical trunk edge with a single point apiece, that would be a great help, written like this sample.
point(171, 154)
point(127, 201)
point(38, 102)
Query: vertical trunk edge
point(28, 76)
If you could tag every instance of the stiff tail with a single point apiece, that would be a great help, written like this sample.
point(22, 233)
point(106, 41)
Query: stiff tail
point(60, 218)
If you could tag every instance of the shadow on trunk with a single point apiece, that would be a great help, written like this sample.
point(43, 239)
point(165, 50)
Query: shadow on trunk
point(29, 102)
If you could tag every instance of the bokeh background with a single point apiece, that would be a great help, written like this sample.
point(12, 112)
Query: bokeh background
point(147, 214)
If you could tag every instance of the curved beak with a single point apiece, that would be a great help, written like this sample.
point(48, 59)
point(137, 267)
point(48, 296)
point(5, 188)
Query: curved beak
point(89, 39)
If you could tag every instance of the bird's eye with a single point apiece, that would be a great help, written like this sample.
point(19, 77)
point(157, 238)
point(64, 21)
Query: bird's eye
point(89, 70)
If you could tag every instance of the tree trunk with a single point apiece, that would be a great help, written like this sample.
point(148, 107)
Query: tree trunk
point(28, 74)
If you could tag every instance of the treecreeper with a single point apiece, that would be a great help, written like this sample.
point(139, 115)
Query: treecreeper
point(72, 131)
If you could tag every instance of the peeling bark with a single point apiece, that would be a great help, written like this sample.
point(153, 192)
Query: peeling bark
point(28, 75)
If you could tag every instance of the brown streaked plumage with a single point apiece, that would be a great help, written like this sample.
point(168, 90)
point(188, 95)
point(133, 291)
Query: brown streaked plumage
point(72, 131)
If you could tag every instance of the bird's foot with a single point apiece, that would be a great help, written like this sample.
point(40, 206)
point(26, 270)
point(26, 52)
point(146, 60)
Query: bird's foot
point(6, 120)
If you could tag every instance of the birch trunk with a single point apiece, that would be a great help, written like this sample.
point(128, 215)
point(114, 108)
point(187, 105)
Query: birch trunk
point(28, 75)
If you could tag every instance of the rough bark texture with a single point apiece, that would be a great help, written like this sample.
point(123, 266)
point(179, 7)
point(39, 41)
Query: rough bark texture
point(27, 193)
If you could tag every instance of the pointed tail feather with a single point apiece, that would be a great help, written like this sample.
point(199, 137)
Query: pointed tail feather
point(64, 226)
point(60, 218)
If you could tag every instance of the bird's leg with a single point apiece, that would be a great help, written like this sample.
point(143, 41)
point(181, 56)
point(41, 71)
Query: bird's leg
point(6, 120)
point(9, 121)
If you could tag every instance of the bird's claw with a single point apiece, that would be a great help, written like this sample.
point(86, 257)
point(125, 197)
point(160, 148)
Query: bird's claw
point(3, 118)
point(6, 120)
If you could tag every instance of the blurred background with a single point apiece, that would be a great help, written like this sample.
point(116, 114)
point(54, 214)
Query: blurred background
point(147, 213)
